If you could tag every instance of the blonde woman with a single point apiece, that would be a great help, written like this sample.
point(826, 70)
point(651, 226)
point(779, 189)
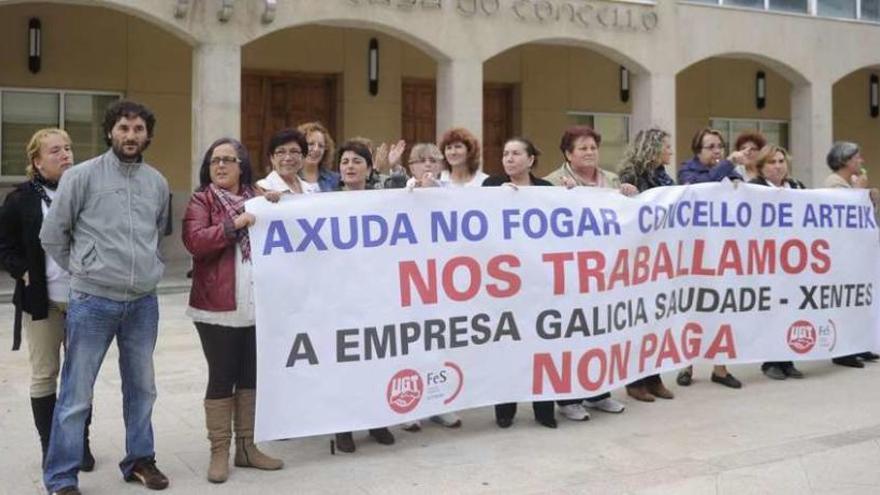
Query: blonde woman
point(41, 286)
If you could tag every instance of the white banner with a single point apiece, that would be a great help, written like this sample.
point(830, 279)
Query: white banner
point(378, 307)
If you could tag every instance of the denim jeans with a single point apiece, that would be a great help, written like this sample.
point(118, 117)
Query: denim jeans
point(92, 323)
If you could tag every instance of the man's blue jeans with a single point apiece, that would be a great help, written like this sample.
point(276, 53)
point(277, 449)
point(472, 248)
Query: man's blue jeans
point(92, 323)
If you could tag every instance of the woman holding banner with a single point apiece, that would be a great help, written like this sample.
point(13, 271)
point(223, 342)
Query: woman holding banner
point(519, 158)
point(644, 166)
point(580, 152)
point(845, 161)
point(461, 153)
point(709, 165)
point(355, 165)
point(221, 303)
point(285, 151)
point(771, 168)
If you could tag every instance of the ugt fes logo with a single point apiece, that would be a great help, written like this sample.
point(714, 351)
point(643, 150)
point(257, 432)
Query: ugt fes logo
point(406, 389)
point(801, 336)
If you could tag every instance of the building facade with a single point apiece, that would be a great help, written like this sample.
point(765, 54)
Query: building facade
point(802, 71)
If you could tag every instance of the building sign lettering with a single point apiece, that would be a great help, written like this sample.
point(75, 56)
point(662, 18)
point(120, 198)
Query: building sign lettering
point(584, 13)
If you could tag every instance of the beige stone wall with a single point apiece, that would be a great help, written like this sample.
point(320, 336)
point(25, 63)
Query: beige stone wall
point(104, 50)
point(853, 121)
point(724, 88)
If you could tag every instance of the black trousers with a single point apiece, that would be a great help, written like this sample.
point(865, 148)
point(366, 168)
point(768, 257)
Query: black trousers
point(231, 353)
point(578, 401)
point(777, 364)
point(543, 410)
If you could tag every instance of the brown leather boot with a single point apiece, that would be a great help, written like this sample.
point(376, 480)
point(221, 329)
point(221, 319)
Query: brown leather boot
point(656, 388)
point(639, 392)
point(218, 419)
point(246, 453)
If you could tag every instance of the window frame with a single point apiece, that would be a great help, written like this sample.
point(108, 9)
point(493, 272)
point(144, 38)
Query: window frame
point(760, 128)
point(62, 99)
point(627, 121)
point(812, 9)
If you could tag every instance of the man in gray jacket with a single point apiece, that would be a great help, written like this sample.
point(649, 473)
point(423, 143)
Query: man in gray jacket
point(104, 228)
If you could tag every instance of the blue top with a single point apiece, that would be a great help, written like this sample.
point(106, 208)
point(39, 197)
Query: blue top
point(694, 172)
point(327, 180)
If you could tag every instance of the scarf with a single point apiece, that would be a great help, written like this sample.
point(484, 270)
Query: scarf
point(40, 184)
point(234, 206)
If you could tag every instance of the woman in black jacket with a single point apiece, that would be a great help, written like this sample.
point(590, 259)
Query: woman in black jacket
point(518, 158)
point(41, 286)
point(772, 167)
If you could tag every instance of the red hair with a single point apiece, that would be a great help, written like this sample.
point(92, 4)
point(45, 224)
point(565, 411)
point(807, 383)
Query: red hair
point(464, 136)
point(573, 133)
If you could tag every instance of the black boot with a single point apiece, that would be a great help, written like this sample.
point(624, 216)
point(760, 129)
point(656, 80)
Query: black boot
point(88, 460)
point(43, 408)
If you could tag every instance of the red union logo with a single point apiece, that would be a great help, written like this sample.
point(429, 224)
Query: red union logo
point(801, 336)
point(404, 391)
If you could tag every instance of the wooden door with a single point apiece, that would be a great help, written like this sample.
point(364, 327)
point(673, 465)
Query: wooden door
point(497, 125)
point(419, 112)
point(273, 101)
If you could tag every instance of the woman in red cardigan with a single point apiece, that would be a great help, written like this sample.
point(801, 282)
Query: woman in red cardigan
point(221, 303)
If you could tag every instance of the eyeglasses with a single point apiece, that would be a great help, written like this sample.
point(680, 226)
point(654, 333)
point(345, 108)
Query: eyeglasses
point(226, 160)
point(294, 153)
point(714, 147)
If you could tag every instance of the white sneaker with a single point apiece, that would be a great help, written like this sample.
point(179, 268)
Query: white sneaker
point(449, 420)
point(574, 412)
point(608, 404)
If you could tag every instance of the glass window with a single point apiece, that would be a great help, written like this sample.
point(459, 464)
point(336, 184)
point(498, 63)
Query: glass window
point(871, 10)
point(758, 4)
point(23, 114)
point(837, 8)
point(83, 114)
point(799, 6)
point(614, 129)
point(775, 132)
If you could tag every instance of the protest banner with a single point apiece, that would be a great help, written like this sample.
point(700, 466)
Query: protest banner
point(378, 307)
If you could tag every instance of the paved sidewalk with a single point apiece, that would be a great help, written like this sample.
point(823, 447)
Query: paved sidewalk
point(818, 435)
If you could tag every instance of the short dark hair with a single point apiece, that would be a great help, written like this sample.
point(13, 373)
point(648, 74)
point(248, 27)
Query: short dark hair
point(750, 137)
point(286, 136)
point(531, 149)
point(575, 132)
point(244, 163)
point(697, 143)
point(359, 148)
point(128, 109)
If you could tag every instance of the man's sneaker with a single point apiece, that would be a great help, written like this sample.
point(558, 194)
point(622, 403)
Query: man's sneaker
point(574, 412)
point(146, 472)
point(608, 404)
point(67, 490)
point(449, 420)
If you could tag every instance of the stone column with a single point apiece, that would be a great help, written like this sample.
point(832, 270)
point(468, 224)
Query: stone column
point(811, 131)
point(216, 98)
point(653, 105)
point(460, 95)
